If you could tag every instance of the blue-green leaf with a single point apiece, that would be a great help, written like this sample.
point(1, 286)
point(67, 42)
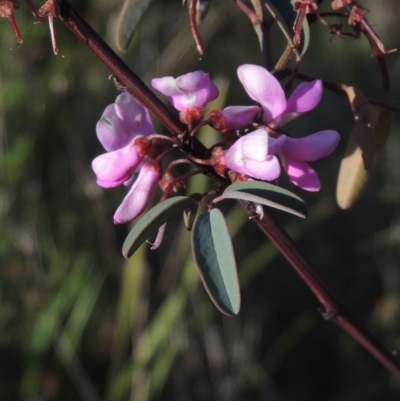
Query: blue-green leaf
point(149, 223)
point(213, 255)
point(268, 195)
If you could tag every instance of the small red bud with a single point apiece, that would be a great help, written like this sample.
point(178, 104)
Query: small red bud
point(191, 115)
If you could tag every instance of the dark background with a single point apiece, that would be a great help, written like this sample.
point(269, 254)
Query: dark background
point(78, 322)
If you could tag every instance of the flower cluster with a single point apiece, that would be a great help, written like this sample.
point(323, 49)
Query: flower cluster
point(125, 131)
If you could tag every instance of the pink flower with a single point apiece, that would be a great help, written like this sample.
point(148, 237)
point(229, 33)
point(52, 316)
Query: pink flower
point(121, 123)
point(194, 89)
point(296, 151)
point(265, 89)
point(232, 117)
point(139, 196)
point(254, 155)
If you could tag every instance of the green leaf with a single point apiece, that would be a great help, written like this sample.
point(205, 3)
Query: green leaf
point(213, 255)
point(149, 223)
point(268, 195)
point(131, 14)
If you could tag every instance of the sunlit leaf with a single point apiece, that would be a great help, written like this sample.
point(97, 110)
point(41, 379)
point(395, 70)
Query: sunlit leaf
point(213, 255)
point(268, 195)
point(149, 223)
point(358, 164)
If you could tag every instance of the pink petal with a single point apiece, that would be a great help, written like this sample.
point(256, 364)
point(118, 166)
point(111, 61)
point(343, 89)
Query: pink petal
point(259, 144)
point(139, 196)
point(311, 147)
point(167, 86)
point(251, 155)
point(264, 88)
point(302, 175)
point(114, 168)
point(304, 98)
point(193, 81)
point(237, 117)
point(192, 89)
point(122, 121)
point(267, 170)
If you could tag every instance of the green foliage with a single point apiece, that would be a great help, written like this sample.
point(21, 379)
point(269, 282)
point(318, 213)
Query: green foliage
point(213, 254)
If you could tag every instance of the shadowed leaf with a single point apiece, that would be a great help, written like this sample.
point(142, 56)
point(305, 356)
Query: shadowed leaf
point(268, 195)
point(131, 14)
point(149, 223)
point(214, 257)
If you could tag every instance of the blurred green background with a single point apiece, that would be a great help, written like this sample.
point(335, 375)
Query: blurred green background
point(78, 322)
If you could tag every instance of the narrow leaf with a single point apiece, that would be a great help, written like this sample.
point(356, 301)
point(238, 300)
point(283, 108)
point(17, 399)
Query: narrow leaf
point(131, 14)
point(268, 195)
point(149, 223)
point(213, 255)
point(354, 176)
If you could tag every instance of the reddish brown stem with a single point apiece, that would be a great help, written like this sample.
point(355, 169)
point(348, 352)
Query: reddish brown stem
point(194, 27)
point(133, 84)
point(334, 310)
point(338, 88)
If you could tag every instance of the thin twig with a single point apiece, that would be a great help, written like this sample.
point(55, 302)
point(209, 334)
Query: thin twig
point(133, 84)
point(337, 88)
point(334, 310)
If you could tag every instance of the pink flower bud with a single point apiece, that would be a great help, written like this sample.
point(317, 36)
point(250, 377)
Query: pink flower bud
point(139, 196)
point(189, 90)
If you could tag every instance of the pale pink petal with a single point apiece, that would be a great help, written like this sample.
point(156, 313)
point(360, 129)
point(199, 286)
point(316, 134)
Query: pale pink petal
point(167, 86)
point(194, 89)
point(302, 175)
point(311, 147)
point(267, 170)
point(304, 98)
point(114, 168)
point(137, 199)
point(237, 117)
point(264, 88)
point(122, 121)
point(255, 145)
point(258, 144)
point(251, 155)
point(193, 81)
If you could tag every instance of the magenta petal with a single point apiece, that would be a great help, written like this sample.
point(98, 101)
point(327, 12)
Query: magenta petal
point(122, 121)
point(139, 196)
point(264, 88)
point(302, 175)
point(304, 98)
point(114, 168)
point(311, 147)
point(237, 117)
